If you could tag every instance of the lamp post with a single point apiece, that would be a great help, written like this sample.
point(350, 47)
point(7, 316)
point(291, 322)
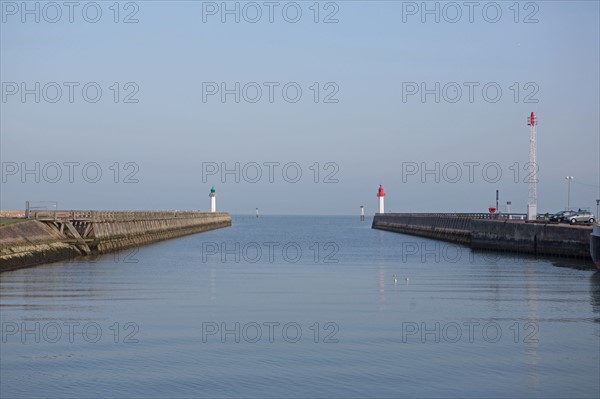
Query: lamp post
point(597, 206)
point(569, 178)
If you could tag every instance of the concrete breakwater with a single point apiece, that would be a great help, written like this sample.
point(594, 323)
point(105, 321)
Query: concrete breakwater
point(483, 232)
point(48, 236)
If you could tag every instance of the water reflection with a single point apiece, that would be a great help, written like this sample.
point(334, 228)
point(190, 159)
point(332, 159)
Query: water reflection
point(595, 295)
point(212, 281)
point(381, 283)
point(533, 358)
point(577, 264)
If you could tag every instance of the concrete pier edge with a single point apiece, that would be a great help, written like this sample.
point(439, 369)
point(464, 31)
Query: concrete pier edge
point(544, 239)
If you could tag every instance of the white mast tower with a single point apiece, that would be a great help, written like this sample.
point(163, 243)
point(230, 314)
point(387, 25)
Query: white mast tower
point(532, 203)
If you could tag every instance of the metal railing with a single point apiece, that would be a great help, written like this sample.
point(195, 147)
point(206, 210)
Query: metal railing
point(482, 215)
point(116, 215)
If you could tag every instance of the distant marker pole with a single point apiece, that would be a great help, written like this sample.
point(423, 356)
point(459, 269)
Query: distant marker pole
point(381, 194)
point(256, 212)
point(362, 213)
point(497, 198)
point(213, 200)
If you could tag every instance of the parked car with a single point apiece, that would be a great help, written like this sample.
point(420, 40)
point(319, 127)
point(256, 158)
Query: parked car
point(581, 216)
point(560, 216)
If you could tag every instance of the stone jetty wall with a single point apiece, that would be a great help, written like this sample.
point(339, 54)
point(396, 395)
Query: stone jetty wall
point(49, 236)
point(484, 232)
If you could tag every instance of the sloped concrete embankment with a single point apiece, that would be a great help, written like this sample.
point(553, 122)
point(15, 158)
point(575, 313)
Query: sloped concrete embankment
point(112, 235)
point(34, 242)
point(451, 228)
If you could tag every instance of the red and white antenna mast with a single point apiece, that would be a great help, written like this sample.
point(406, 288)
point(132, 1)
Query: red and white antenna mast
point(532, 122)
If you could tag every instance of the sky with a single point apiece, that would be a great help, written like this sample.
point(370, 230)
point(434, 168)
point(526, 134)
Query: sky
point(299, 107)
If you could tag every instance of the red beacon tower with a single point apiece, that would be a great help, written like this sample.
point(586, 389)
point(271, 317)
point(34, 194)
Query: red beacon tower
point(381, 194)
point(531, 120)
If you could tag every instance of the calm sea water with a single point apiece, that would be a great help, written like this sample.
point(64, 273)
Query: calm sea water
point(301, 307)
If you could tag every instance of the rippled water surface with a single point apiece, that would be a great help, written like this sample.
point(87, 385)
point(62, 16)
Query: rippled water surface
point(301, 307)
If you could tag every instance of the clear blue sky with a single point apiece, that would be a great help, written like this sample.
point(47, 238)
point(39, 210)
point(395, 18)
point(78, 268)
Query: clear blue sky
point(369, 55)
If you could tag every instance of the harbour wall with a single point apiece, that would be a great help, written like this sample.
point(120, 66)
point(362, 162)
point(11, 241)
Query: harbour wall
point(48, 236)
point(484, 232)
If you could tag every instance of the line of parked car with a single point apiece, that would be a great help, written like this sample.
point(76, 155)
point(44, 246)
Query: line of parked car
point(573, 217)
